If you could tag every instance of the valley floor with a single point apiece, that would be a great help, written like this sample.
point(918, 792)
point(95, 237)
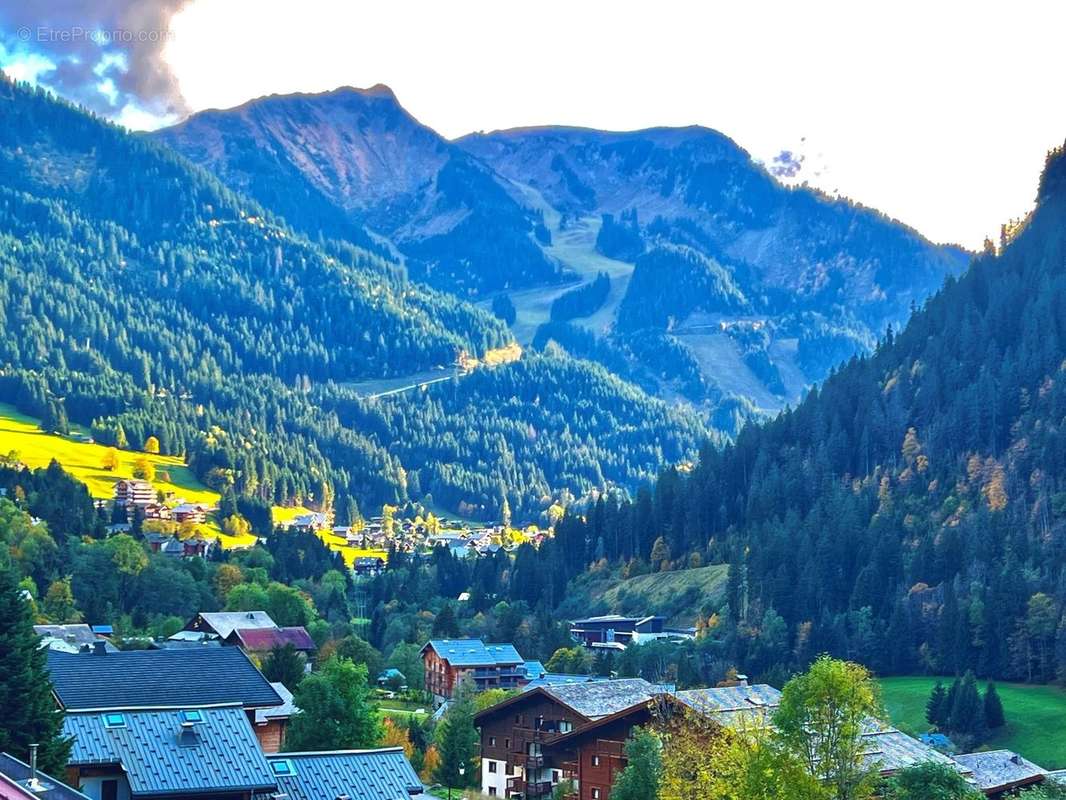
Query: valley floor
point(1036, 716)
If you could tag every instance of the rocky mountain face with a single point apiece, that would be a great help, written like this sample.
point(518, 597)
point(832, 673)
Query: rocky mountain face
point(726, 289)
point(353, 164)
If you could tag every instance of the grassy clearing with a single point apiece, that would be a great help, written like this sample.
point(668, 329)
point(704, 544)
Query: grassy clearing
point(677, 595)
point(1036, 716)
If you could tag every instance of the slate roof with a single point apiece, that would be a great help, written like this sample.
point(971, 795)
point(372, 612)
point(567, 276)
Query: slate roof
point(360, 774)
point(1001, 769)
point(77, 634)
point(191, 676)
point(221, 755)
point(14, 772)
point(225, 622)
point(475, 653)
point(892, 750)
point(284, 711)
point(595, 699)
point(549, 678)
point(261, 640)
point(733, 706)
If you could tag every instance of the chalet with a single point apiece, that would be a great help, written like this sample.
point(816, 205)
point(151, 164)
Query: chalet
point(617, 632)
point(368, 565)
point(157, 511)
point(575, 731)
point(174, 678)
point(311, 522)
point(1001, 773)
point(22, 781)
point(392, 677)
point(258, 642)
point(134, 492)
point(221, 624)
point(195, 513)
point(195, 752)
point(270, 721)
point(490, 666)
point(383, 774)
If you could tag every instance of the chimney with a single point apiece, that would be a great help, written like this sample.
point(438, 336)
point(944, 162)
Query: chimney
point(187, 735)
point(1015, 759)
point(33, 784)
point(99, 649)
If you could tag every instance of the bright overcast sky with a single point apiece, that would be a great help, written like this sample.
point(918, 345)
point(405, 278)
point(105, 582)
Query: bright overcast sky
point(938, 113)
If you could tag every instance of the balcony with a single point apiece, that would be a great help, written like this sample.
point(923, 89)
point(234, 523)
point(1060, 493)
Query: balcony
point(529, 789)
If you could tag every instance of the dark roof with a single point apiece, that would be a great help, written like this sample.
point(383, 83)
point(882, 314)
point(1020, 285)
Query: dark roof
point(260, 640)
point(155, 678)
point(1001, 770)
point(17, 772)
point(219, 754)
point(360, 774)
point(77, 634)
point(474, 652)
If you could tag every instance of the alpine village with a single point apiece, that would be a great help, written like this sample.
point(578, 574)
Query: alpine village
point(341, 459)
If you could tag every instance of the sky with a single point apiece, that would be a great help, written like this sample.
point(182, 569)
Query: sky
point(938, 113)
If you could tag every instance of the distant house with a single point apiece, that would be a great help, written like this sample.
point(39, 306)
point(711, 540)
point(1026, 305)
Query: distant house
point(368, 565)
point(222, 623)
point(170, 545)
point(157, 511)
point(613, 631)
point(21, 781)
point(70, 638)
point(392, 676)
point(260, 641)
point(134, 492)
point(1001, 772)
point(383, 774)
point(195, 513)
point(176, 678)
point(311, 522)
point(491, 666)
point(180, 753)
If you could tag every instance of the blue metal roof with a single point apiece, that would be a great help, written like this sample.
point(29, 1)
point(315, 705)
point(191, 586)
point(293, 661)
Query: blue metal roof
point(218, 754)
point(475, 653)
point(157, 678)
point(534, 669)
point(360, 774)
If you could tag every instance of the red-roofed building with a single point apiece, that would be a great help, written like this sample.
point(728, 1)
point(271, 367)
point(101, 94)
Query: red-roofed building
point(260, 641)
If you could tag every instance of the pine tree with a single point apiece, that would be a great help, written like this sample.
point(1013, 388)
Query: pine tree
point(457, 740)
point(445, 624)
point(28, 714)
point(994, 717)
point(934, 708)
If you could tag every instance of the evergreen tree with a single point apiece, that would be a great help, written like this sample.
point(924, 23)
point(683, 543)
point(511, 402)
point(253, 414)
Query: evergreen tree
point(994, 717)
point(934, 708)
point(967, 712)
point(457, 740)
point(28, 713)
point(445, 626)
point(284, 665)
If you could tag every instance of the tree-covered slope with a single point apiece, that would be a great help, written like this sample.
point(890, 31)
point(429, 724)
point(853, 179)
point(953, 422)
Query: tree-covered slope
point(911, 513)
point(142, 297)
point(349, 160)
point(719, 248)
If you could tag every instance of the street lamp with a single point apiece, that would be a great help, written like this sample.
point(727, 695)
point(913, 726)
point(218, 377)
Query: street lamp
point(462, 772)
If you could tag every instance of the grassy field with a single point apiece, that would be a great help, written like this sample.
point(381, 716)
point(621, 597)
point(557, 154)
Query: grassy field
point(1036, 716)
point(677, 595)
point(35, 448)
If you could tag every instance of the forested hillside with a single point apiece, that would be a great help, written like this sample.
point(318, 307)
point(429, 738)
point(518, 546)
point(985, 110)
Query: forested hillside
point(141, 297)
point(342, 162)
point(911, 513)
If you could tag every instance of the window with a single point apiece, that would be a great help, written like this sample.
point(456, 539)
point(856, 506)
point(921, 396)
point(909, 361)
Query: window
point(556, 776)
point(492, 766)
point(114, 720)
point(517, 719)
point(109, 790)
point(492, 741)
point(507, 743)
point(194, 715)
point(595, 794)
point(492, 791)
point(595, 761)
point(565, 726)
point(283, 768)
